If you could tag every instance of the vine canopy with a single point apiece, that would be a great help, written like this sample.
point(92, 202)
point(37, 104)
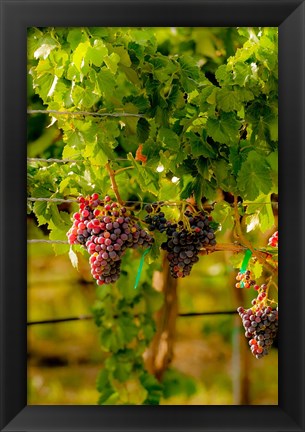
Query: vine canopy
point(212, 131)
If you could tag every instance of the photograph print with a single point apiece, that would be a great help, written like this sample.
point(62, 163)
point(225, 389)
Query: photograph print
point(152, 216)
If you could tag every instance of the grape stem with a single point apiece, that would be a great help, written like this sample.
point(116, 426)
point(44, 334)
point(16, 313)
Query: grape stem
point(260, 256)
point(231, 247)
point(113, 183)
point(118, 171)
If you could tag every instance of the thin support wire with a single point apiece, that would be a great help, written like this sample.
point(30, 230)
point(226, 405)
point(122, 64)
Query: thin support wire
point(84, 113)
point(51, 160)
point(47, 241)
point(90, 317)
point(54, 160)
point(166, 204)
point(54, 200)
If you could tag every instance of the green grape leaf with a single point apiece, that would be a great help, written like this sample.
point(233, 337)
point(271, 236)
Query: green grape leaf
point(261, 212)
point(123, 54)
point(146, 177)
point(112, 339)
point(169, 138)
point(143, 128)
point(112, 62)
point(41, 212)
point(224, 129)
point(73, 258)
point(228, 100)
point(105, 82)
point(225, 180)
point(153, 387)
point(168, 189)
point(237, 259)
point(131, 75)
point(58, 234)
point(200, 147)
point(74, 37)
point(254, 177)
point(46, 45)
point(222, 213)
point(97, 53)
point(273, 161)
point(202, 165)
point(256, 268)
point(79, 57)
point(222, 75)
point(131, 391)
point(189, 73)
point(252, 222)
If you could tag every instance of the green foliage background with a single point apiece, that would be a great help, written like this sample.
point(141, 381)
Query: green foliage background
point(203, 102)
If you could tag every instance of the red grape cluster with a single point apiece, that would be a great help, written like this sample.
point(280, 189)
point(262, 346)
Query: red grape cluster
point(106, 230)
point(184, 240)
point(260, 323)
point(274, 240)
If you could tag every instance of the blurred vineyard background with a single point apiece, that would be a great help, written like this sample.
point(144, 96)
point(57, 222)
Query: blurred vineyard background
point(212, 363)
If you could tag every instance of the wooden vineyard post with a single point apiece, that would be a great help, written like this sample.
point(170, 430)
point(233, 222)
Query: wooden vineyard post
point(159, 355)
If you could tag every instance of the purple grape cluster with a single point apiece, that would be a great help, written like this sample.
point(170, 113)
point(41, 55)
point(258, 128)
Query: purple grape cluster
point(261, 325)
point(106, 230)
point(157, 220)
point(183, 245)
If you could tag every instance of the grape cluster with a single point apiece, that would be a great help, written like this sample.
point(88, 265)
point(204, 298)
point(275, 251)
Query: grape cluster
point(274, 240)
point(260, 323)
point(106, 230)
point(184, 240)
point(245, 280)
point(155, 219)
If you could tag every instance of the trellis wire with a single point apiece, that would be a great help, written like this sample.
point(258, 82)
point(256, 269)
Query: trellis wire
point(84, 113)
point(90, 317)
point(47, 241)
point(55, 160)
point(170, 204)
point(51, 160)
point(54, 200)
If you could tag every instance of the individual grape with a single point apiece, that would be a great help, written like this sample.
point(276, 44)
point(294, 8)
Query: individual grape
point(148, 208)
point(273, 240)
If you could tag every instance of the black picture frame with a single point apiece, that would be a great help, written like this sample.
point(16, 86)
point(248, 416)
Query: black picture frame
point(16, 16)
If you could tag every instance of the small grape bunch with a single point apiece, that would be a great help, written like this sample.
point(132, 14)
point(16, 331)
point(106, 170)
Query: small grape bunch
point(260, 323)
point(155, 218)
point(274, 240)
point(245, 279)
point(185, 240)
point(106, 229)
